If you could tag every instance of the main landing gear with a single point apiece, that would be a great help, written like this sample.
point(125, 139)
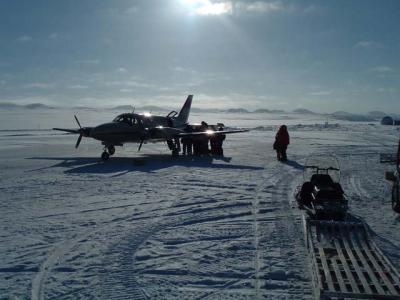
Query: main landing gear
point(108, 151)
point(174, 146)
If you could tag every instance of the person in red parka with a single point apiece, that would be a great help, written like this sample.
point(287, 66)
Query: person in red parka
point(281, 143)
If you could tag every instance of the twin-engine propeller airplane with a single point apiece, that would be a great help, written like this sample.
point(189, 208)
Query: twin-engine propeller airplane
point(142, 128)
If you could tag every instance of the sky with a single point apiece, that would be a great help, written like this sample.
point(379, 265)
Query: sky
point(320, 55)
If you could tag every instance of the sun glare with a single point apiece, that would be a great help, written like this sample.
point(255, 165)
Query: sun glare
point(206, 7)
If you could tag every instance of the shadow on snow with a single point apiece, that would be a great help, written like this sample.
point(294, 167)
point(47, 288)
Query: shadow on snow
point(145, 163)
point(294, 164)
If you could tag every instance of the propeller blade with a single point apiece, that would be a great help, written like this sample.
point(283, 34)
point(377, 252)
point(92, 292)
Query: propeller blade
point(78, 141)
point(77, 121)
point(141, 143)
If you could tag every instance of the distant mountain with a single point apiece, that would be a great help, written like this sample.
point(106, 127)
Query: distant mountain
point(152, 108)
point(83, 108)
point(38, 106)
point(7, 105)
point(377, 114)
point(304, 111)
point(262, 111)
point(237, 110)
point(342, 115)
point(123, 107)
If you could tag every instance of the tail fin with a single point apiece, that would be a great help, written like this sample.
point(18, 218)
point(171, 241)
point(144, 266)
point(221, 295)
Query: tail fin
point(183, 115)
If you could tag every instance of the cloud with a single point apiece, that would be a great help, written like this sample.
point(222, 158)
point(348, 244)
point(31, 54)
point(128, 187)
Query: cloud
point(132, 10)
point(38, 85)
point(260, 6)
point(368, 45)
point(130, 83)
point(122, 70)
point(386, 90)
point(320, 93)
point(89, 62)
point(382, 69)
point(54, 36)
point(78, 87)
point(126, 90)
point(24, 39)
point(208, 8)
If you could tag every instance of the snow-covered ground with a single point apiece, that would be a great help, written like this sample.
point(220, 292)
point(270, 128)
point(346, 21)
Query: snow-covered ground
point(146, 226)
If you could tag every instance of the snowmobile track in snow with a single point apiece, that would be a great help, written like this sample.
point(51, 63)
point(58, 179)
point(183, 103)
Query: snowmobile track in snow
point(347, 263)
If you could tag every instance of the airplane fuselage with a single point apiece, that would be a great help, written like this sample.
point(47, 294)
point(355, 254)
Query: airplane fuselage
point(133, 128)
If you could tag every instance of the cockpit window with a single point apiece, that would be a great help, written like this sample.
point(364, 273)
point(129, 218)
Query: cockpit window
point(128, 119)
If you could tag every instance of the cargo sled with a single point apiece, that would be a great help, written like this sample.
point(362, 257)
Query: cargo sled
point(321, 194)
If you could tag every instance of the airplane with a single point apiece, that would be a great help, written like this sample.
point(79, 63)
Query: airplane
point(143, 128)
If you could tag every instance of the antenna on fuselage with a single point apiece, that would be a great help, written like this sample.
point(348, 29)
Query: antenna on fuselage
point(133, 111)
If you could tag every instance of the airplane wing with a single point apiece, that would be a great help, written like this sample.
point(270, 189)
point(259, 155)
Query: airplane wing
point(68, 130)
point(212, 132)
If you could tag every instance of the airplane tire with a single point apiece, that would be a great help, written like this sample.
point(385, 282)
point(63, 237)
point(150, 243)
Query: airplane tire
point(105, 156)
point(111, 150)
point(175, 153)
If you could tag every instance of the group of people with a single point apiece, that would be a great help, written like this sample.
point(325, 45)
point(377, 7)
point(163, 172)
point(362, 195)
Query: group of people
point(205, 145)
point(202, 144)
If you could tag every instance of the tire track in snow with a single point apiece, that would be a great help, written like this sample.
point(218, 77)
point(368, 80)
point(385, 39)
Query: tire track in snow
point(60, 250)
point(287, 282)
point(64, 248)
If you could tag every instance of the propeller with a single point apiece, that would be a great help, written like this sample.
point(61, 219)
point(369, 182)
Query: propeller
point(81, 132)
point(78, 141)
point(141, 143)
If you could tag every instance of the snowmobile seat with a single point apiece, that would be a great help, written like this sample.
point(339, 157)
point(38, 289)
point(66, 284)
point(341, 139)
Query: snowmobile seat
point(325, 188)
point(321, 179)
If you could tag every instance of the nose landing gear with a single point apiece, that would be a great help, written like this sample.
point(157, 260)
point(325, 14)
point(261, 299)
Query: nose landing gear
point(108, 151)
point(105, 156)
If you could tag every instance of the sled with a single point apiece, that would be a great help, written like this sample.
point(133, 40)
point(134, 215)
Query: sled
point(346, 262)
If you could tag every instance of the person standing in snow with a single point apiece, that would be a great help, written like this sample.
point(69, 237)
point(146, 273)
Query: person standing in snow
point(281, 143)
point(187, 141)
point(216, 142)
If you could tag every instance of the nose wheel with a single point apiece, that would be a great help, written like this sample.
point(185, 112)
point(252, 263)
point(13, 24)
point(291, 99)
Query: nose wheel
point(111, 150)
point(108, 151)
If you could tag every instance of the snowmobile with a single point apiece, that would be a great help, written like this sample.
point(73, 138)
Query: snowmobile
point(394, 177)
point(321, 194)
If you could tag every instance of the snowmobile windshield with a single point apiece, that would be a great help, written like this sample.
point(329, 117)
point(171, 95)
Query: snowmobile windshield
point(322, 165)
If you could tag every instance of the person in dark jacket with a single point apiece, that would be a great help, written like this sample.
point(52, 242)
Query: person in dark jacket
point(187, 141)
point(281, 143)
point(203, 140)
point(216, 142)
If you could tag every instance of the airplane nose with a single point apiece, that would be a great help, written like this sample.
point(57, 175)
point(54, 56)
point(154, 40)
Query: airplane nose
point(98, 131)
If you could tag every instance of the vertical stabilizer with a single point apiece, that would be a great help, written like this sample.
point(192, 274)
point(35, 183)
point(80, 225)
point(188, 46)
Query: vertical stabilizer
point(183, 115)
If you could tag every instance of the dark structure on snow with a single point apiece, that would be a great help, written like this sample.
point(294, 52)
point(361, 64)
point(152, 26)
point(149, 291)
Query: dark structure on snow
point(389, 121)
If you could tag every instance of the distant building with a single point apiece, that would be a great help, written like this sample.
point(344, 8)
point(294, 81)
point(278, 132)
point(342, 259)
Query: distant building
point(387, 121)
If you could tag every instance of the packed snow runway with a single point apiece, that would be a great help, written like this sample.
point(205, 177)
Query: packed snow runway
point(147, 226)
